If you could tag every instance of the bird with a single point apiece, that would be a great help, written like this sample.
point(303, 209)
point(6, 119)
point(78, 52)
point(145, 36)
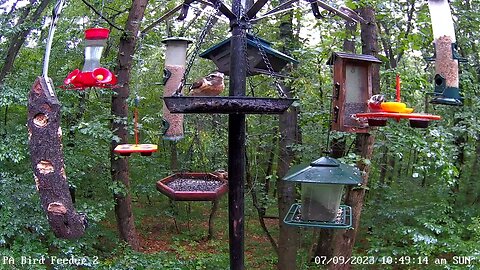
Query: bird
point(375, 101)
point(210, 85)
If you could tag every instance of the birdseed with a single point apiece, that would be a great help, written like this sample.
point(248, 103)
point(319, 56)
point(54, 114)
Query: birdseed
point(182, 184)
point(445, 65)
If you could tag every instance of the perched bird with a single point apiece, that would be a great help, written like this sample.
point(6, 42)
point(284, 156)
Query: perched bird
point(211, 85)
point(375, 101)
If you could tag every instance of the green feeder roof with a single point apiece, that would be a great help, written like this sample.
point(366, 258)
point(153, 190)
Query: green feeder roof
point(325, 170)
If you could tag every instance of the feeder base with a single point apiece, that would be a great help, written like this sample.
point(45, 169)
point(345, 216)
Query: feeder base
point(143, 149)
point(342, 221)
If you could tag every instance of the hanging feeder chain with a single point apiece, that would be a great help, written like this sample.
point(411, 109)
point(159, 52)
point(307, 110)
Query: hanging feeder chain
point(265, 59)
point(55, 15)
point(198, 43)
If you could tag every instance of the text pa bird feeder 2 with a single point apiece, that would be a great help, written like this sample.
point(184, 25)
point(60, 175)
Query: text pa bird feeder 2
point(322, 184)
point(175, 59)
point(193, 186)
point(352, 78)
point(220, 55)
point(446, 82)
point(92, 74)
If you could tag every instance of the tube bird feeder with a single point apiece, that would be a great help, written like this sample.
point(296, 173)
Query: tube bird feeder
point(175, 59)
point(322, 184)
point(446, 57)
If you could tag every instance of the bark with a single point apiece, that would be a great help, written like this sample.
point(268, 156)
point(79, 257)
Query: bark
point(345, 239)
point(45, 143)
point(289, 135)
point(119, 166)
point(18, 40)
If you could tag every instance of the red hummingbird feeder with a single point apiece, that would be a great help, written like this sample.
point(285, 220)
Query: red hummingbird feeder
point(92, 74)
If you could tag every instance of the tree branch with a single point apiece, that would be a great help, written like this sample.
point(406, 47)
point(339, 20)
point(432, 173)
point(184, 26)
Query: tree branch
point(101, 16)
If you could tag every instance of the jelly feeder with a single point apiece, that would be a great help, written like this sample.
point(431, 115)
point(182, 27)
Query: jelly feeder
point(352, 78)
point(322, 184)
point(446, 57)
point(92, 74)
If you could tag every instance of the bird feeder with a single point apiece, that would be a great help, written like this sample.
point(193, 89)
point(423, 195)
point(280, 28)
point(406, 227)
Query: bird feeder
point(446, 57)
point(220, 55)
point(92, 74)
point(193, 186)
point(352, 78)
point(322, 184)
point(175, 59)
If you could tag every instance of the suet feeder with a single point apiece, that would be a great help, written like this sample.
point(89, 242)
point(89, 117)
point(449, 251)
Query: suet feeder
point(92, 74)
point(175, 59)
point(322, 184)
point(220, 55)
point(193, 186)
point(352, 78)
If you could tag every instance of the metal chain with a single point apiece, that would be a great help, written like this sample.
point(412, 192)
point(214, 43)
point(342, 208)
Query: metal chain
point(265, 59)
point(198, 44)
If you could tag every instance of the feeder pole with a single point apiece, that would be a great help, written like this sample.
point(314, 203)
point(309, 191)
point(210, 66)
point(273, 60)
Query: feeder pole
point(236, 140)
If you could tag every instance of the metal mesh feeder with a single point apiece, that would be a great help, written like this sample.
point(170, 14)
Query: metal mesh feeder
point(322, 188)
point(193, 186)
point(227, 105)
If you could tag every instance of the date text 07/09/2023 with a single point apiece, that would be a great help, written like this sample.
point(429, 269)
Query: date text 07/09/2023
point(395, 260)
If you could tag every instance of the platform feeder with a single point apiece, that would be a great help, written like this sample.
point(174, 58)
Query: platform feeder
point(352, 79)
point(322, 184)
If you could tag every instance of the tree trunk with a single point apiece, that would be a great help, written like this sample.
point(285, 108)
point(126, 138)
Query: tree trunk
point(289, 135)
point(45, 141)
point(120, 173)
point(18, 40)
point(345, 239)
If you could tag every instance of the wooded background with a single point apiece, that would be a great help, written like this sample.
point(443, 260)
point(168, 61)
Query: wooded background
point(423, 193)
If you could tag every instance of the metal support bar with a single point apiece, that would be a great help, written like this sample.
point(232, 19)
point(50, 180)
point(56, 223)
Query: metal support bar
point(236, 143)
point(280, 8)
point(256, 8)
point(225, 10)
point(162, 18)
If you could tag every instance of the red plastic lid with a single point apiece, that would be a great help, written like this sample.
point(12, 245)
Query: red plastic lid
point(97, 33)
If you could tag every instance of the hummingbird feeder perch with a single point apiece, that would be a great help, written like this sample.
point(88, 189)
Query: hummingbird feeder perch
point(92, 74)
point(193, 186)
point(352, 78)
point(322, 184)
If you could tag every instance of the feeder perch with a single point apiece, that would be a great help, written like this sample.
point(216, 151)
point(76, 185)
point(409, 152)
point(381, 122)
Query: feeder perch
point(193, 186)
point(220, 55)
point(352, 76)
point(92, 74)
point(322, 184)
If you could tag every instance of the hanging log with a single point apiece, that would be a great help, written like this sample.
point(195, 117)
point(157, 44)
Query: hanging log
point(45, 142)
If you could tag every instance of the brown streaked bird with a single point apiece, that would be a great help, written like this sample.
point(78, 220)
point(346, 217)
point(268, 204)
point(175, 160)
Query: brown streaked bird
point(211, 85)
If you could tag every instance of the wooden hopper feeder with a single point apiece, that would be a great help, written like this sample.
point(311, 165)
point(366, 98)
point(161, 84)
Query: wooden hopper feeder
point(352, 78)
point(193, 186)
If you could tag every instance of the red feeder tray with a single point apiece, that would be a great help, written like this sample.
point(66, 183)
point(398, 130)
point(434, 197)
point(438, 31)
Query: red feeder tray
point(193, 186)
point(417, 120)
point(143, 149)
point(99, 77)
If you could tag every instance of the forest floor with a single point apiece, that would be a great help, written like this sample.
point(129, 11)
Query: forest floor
point(185, 236)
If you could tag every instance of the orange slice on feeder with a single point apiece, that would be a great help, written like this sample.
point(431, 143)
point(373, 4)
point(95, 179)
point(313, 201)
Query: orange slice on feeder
point(394, 107)
point(143, 149)
point(407, 110)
